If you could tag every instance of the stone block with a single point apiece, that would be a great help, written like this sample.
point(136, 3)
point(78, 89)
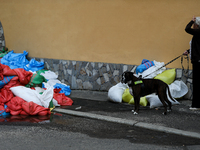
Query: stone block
point(87, 85)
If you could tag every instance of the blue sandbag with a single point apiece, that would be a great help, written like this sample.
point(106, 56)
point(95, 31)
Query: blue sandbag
point(144, 66)
point(15, 60)
point(5, 81)
point(34, 65)
point(3, 112)
point(64, 89)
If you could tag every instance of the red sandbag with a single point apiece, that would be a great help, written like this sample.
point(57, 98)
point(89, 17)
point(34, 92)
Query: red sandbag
point(5, 95)
point(34, 109)
point(23, 76)
point(62, 99)
point(5, 70)
point(18, 106)
point(15, 105)
point(24, 113)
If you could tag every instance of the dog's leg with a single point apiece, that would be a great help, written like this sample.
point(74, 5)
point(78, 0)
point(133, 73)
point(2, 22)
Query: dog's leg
point(134, 110)
point(162, 99)
point(137, 105)
point(169, 104)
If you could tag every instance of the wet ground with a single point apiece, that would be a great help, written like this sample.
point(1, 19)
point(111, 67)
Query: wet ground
point(103, 130)
point(99, 129)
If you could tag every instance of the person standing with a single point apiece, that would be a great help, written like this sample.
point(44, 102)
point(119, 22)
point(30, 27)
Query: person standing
point(193, 28)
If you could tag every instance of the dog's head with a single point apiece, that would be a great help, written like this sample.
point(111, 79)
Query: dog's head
point(127, 77)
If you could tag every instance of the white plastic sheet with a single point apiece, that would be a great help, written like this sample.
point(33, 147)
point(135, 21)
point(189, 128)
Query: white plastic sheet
point(178, 89)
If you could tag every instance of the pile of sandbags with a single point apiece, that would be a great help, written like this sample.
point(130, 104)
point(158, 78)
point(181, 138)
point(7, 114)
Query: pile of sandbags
point(149, 69)
point(27, 89)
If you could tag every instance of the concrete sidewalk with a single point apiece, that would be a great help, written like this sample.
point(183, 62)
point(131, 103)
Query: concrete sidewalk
point(95, 105)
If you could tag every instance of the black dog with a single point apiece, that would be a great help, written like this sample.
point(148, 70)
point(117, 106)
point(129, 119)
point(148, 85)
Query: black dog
point(142, 87)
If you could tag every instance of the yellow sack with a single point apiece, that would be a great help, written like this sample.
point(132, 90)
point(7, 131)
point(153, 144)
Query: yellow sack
point(167, 76)
point(143, 101)
point(128, 98)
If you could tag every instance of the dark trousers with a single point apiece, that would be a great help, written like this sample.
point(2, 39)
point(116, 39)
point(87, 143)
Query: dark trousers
point(196, 85)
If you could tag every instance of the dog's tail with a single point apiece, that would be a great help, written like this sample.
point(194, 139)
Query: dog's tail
point(170, 96)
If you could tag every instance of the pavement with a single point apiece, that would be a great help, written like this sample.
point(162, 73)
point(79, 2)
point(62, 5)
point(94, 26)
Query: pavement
point(95, 105)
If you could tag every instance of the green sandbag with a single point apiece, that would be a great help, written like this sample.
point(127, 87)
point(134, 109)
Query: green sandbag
point(143, 101)
point(4, 52)
point(36, 80)
point(167, 76)
point(41, 71)
point(128, 98)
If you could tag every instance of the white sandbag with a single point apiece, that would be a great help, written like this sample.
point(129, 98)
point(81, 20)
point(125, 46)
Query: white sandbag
point(154, 101)
point(50, 83)
point(55, 102)
point(39, 90)
point(151, 72)
point(28, 95)
point(45, 97)
point(178, 89)
point(115, 92)
point(49, 75)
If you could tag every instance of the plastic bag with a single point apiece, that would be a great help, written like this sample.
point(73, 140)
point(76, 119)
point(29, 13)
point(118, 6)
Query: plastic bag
point(178, 89)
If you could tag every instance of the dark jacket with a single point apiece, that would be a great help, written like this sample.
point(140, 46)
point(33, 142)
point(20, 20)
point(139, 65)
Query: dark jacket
point(195, 46)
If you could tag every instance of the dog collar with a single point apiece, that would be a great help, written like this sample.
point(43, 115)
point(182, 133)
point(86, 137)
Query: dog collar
point(138, 82)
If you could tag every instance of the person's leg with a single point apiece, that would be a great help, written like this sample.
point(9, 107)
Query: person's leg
point(196, 85)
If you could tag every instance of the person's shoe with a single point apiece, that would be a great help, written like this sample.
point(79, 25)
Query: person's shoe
point(194, 108)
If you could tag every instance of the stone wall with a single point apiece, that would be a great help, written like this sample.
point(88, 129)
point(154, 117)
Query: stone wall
point(2, 40)
point(97, 76)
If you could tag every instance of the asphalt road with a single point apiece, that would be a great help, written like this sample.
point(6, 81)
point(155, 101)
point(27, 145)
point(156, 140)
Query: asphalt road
point(62, 131)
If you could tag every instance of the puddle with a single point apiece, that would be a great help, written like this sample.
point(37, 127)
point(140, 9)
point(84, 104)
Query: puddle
point(31, 119)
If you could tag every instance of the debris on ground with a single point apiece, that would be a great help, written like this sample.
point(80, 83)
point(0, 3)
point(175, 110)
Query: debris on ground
point(26, 88)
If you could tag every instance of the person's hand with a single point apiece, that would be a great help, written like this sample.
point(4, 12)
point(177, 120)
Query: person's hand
point(185, 53)
point(194, 18)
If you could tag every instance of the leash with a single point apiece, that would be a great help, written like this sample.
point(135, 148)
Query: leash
point(186, 57)
point(168, 64)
